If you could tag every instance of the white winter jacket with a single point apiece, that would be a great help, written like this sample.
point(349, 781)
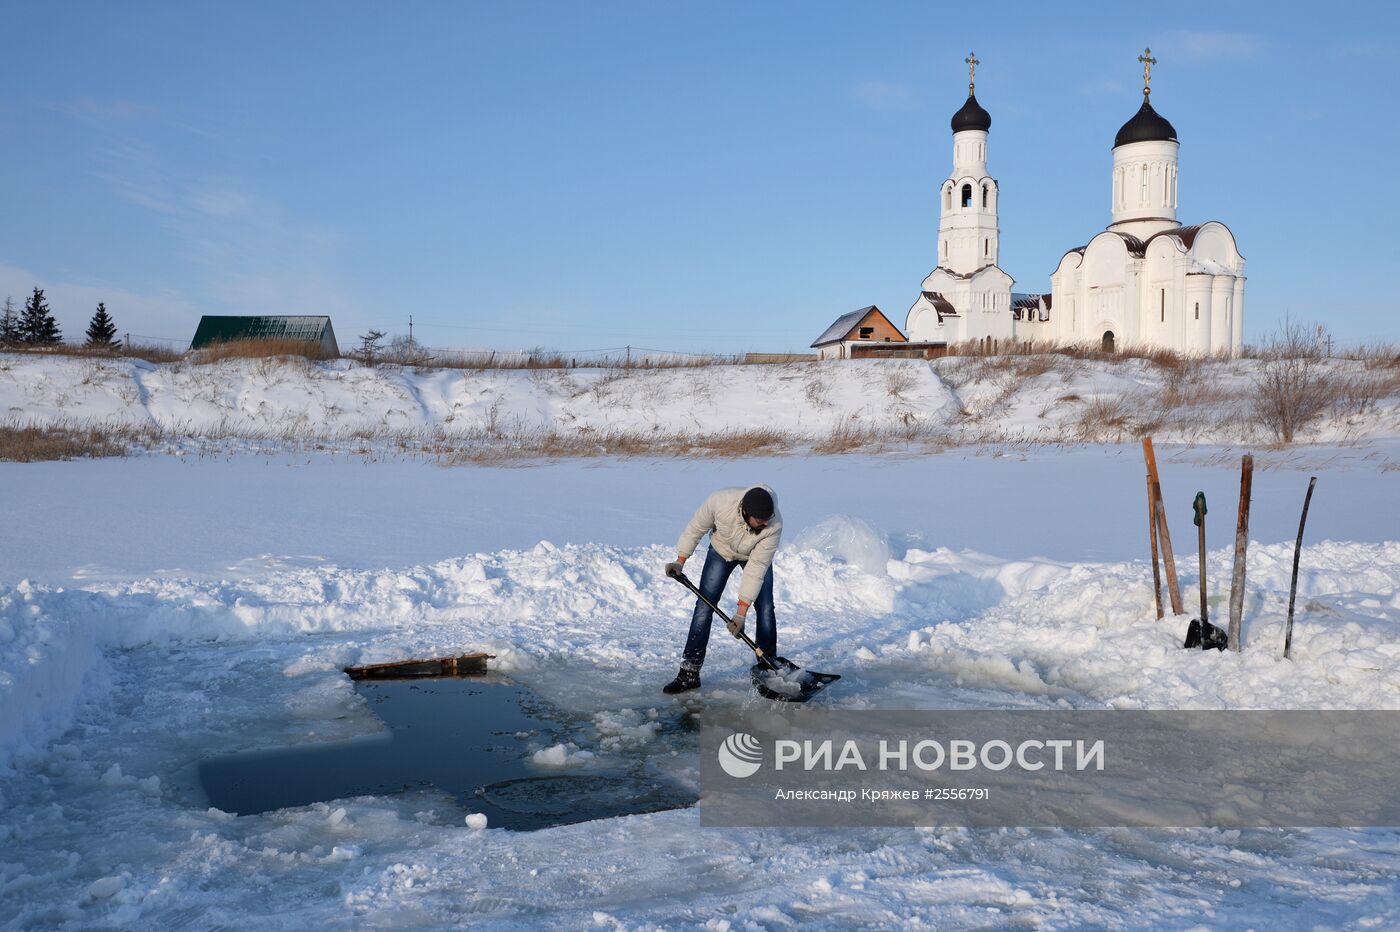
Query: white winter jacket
point(731, 537)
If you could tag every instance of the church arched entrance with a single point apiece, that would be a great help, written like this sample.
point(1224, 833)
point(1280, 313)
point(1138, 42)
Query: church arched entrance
point(1108, 341)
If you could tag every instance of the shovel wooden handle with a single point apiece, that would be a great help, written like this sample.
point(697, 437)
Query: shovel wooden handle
point(684, 580)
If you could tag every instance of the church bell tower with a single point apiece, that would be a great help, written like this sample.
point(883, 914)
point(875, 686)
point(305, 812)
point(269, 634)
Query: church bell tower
point(967, 228)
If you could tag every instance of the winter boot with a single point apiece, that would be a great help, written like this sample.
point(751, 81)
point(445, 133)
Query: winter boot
point(686, 680)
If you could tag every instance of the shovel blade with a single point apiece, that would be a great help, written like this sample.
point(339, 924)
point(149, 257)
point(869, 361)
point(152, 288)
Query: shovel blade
point(787, 682)
point(1203, 635)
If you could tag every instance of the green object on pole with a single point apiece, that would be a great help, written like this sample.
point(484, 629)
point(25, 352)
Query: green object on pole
point(1200, 506)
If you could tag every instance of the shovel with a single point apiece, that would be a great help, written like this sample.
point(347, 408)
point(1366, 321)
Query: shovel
point(775, 678)
point(1201, 633)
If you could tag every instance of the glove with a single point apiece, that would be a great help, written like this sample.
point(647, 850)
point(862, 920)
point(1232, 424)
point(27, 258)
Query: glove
point(736, 623)
point(674, 570)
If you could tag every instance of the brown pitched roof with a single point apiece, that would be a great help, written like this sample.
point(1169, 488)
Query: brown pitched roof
point(846, 324)
point(941, 305)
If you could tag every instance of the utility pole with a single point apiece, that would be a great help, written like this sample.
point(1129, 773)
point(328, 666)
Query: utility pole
point(410, 329)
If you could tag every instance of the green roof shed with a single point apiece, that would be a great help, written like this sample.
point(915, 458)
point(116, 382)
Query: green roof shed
point(225, 329)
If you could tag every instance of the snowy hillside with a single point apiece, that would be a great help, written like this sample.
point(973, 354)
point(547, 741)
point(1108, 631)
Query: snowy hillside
point(295, 399)
point(836, 405)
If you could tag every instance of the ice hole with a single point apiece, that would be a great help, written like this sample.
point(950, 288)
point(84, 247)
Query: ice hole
point(470, 737)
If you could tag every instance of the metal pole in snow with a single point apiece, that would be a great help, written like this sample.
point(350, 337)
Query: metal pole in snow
point(1293, 586)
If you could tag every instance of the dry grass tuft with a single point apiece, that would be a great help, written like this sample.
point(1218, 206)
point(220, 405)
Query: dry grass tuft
point(151, 352)
point(258, 349)
point(148, 351)
point(549, 359)
point(33, 443)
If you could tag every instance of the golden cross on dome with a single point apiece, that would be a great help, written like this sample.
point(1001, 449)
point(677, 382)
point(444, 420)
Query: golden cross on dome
point(1147, 62)
point(972, 64)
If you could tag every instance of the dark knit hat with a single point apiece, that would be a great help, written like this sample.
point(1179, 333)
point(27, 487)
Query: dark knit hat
point(758, 504)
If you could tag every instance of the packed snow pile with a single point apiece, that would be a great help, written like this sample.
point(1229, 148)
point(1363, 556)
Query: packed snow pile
point(1082, 633)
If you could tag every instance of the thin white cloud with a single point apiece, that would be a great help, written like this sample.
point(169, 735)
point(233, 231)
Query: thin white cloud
point(120, 112)
point(248, 254)
point(1216, 46)
point(882, 95)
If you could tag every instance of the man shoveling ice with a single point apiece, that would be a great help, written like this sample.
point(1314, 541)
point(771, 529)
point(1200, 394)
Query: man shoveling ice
point(744, 527)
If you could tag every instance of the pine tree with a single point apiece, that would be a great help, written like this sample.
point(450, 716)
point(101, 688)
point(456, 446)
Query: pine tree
point(37, 325)
point(10, 331)
point(101, 331)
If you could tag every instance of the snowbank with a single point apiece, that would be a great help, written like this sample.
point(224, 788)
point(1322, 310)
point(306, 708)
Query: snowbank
point(1049, 398)
point(296, 399)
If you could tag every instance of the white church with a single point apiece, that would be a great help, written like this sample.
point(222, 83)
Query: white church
point(1144, 281)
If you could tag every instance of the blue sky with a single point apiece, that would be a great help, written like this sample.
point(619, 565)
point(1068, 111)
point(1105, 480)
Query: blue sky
point(687, 176)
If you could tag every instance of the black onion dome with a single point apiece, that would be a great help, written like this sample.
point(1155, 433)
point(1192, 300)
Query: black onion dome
point(1147, 125)
point(971, 116)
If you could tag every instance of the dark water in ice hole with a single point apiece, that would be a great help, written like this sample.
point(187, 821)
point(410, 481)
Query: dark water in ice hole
point(460, 734)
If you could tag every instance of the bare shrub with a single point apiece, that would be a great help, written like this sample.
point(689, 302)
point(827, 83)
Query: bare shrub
point(1292, 388)
point(1362, 394)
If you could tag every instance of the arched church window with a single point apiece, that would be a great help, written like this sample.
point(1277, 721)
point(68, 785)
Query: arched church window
point(967, 195)
point(984, 196)
point(1198, 310)
point(986, 247)
point(948, 197)
point(1164, 305)
point(1144, 184)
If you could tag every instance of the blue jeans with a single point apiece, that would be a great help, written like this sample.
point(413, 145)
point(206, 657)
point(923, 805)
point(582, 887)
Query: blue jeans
point(712, 581)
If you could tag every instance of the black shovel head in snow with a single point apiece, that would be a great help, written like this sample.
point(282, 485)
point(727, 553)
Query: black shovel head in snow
point(785, 681)
point(1206, 636)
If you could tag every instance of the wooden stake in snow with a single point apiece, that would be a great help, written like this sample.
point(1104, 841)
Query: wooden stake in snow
point(1152, 535)
point(1293, 586)
point(1241, 544)
point(1163, 535)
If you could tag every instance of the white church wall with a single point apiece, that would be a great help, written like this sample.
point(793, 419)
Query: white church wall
point(1144, 187)
point(1199, 308)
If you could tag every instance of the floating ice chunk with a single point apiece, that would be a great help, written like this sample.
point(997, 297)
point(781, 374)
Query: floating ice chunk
point(476, 820)
point(561, 755)
point(625, 728)
point(336, 817)
point(105, 887)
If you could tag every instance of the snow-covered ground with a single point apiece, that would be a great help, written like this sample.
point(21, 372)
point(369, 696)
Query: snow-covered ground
point(155, 611)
